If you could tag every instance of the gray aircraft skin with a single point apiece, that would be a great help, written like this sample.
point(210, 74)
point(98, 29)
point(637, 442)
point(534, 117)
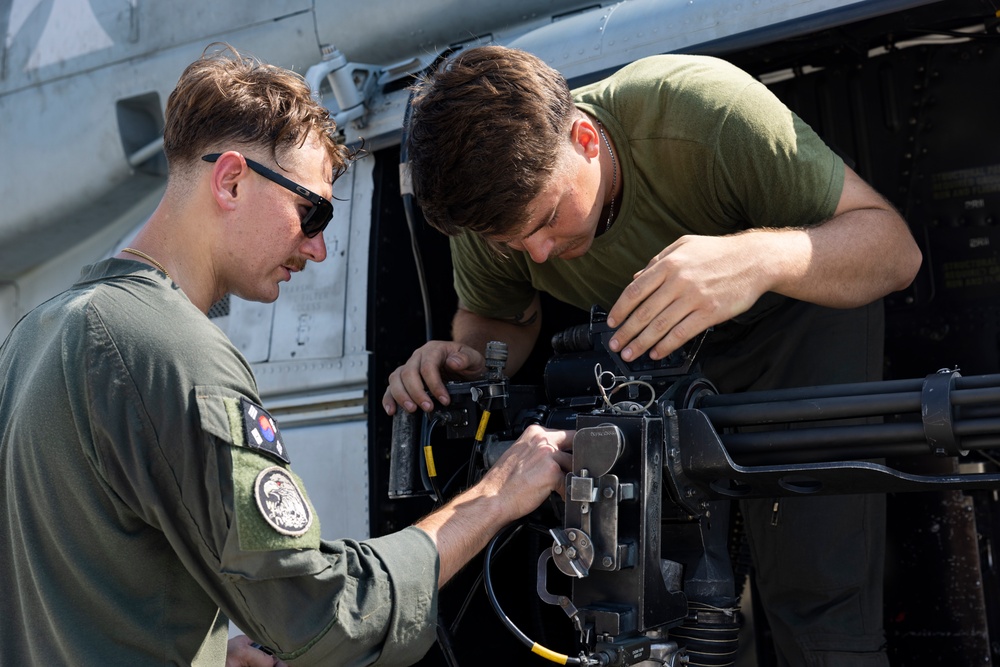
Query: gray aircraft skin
point(83, 85)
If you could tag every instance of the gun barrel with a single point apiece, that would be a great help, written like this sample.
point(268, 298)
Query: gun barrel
point(858, 421)
point(853, 389)
point(847, 443)
point(839, 407)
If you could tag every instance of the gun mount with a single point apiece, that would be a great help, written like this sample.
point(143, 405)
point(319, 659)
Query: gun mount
point(659, 454)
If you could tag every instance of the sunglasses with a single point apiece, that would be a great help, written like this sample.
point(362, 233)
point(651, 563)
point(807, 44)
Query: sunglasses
point(319, 214)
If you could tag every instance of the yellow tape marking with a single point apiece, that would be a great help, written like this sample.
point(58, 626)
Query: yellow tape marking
point(481, 432)
point(429, 457)
point(549, 655)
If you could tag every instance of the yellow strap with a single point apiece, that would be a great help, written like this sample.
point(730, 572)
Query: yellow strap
point(549, 655)
point(429, 457)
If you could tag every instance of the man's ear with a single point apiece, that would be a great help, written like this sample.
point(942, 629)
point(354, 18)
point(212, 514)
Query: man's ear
point(585, 137)
point(228, 173)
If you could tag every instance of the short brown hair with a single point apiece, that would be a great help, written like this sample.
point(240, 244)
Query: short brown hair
point(484, 138)
point(225, 100)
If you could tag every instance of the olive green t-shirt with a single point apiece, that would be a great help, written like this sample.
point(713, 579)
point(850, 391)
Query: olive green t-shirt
point(702, 148)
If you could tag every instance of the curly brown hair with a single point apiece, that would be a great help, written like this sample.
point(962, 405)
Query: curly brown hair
point(226, 100)
point(483, 138)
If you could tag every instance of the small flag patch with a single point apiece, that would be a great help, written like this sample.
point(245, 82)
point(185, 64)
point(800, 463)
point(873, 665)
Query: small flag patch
point(261, 432)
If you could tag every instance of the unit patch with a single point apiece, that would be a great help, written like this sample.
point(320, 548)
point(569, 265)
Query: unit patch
point(260, 431)
point(281, 503)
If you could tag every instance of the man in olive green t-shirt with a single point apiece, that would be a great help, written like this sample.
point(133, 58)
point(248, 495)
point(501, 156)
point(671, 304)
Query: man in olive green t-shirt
point(680, 195)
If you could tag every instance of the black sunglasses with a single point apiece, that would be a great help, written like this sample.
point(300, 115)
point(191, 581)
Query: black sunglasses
point(316, 218)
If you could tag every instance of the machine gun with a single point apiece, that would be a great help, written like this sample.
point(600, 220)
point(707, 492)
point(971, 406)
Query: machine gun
point(657, 458)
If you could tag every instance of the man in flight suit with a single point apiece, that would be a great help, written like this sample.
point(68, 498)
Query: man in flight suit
point(148, 497)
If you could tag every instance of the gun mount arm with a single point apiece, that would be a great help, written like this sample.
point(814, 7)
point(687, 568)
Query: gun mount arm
point(809, 441)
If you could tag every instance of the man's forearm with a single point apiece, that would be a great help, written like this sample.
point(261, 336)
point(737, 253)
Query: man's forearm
point(861, 254)
point(462, 528)
point(846, 262)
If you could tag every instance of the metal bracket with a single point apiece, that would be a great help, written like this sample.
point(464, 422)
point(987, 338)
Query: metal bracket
point(935, 399)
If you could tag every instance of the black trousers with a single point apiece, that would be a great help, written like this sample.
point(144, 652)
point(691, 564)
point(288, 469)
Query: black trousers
point(818, 561)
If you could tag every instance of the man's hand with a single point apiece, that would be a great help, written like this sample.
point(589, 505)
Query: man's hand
point(695, 283)
point(533, 467)
point(240, 652)
point(412, 384)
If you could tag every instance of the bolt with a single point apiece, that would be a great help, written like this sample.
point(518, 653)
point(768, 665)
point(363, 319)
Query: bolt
point(557, 549)
point(571, 535)
point(607, 562)
point(609, 492)
point(571, 553)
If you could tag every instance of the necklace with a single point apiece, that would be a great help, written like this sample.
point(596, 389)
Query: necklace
point(614, 178)
point(133, 251)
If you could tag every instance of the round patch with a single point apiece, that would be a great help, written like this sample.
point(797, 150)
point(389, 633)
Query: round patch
point(281, 503)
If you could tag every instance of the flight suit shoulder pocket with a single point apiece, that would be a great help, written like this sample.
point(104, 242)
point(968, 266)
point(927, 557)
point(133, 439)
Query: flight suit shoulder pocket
point(269, 500)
